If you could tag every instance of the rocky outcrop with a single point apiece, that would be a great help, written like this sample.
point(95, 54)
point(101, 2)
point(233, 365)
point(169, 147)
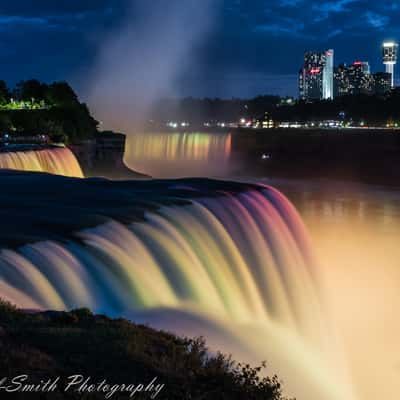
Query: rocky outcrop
point(104, 156)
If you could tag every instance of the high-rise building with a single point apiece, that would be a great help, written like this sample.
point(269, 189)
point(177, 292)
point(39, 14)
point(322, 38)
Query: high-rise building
point(382, 83)
point(353, 79)
point(316, 76)
point(360, 78)
point(389, 54)
point(319, 79)
point(328, 75)
point(341, 84)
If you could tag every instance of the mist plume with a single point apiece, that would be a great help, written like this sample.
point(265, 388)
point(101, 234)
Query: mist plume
point(141, 60)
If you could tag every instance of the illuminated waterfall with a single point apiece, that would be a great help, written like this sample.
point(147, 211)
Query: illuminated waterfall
point(237, 263)
point(56, 160)
point(179, 154)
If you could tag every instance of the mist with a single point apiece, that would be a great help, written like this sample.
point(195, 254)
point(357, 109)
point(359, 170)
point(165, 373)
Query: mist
point(142, 59)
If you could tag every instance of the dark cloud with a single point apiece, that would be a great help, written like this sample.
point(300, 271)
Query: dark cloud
point(59, 7)
point(254, 45)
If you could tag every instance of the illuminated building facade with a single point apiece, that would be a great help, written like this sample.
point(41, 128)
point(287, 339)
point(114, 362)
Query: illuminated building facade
point(360, 78)
point(382, 83)
point(327, 86)
point(389, 55)
point(319, 79)
point(341, 82)
point(267, 122)
point(353, 79)
point(316, 76)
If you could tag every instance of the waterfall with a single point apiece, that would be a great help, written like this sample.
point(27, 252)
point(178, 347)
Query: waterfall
point(55, 160)
point(235, 266)
point(174, 154)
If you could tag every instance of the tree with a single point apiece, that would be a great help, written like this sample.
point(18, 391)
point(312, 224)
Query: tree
point(5, 121)
point(30, 90)
point(61, 94)
point(4, 93)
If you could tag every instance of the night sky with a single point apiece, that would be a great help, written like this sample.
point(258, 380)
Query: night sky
point(249, 47)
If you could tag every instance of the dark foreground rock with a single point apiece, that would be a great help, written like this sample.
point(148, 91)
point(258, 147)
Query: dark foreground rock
point(104, 156)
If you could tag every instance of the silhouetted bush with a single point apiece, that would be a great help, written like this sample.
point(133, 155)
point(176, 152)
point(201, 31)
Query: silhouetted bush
point(51, 344)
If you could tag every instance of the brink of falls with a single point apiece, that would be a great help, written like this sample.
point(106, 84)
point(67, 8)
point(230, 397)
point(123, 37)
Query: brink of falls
point(53, 160)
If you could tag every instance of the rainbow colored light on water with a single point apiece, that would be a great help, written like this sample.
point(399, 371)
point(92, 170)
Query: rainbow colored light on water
point(179, 154)
point(234, 266)
point(58, 161)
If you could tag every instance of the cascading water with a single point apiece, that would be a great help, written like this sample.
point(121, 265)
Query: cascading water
point(174, 154)
point(55, 160)
point(233, 265)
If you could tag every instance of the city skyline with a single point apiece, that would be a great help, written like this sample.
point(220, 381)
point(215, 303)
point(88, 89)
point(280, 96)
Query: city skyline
point(247, 47)
point(321, 79)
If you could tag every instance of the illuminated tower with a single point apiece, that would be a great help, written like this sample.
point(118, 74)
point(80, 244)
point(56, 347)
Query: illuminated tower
point(389, 53)
point(327, 92)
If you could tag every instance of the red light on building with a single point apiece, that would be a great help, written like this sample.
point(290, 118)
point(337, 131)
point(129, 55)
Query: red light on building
point(357, 63)
point(314, 71)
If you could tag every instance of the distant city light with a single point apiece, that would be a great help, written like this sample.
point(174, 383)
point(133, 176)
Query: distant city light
point(320, 80)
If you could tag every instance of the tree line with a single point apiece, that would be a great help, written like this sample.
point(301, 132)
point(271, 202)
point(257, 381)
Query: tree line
point(34, 108)
point(362, 109)
point(370, 109)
